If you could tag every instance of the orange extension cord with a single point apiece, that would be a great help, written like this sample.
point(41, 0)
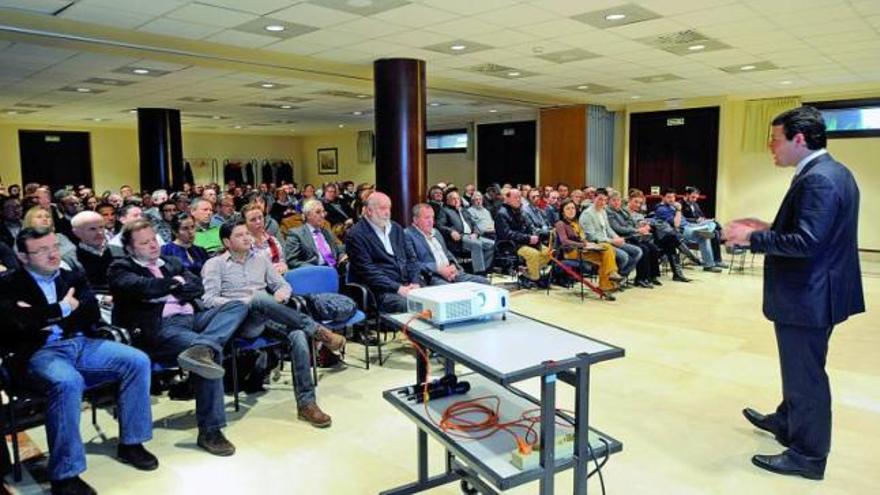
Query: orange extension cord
point(457, 418)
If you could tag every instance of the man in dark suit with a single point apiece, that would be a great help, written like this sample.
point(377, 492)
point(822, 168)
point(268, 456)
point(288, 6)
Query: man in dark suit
point(380, 257)
point(50, 313)
point(437, 262)
point(311, 243)
point(812, 281)
point(461, 234)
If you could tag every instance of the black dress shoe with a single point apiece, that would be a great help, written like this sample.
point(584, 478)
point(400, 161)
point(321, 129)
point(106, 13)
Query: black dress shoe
point(766, 423)
point(72, 486)
point(215, 443)
point(137, 456)
point(644, 284)
point(656, 281)
point(790, 463)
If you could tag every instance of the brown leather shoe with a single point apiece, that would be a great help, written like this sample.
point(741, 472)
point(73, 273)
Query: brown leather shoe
point(333, 341)
point(215, 443)
point(615, 277)
point(314, 415)
point(199, 359)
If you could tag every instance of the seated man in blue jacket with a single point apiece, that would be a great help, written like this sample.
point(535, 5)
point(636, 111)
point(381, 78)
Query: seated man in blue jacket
point(50, 313)
point(437, 263)
point(380, 257)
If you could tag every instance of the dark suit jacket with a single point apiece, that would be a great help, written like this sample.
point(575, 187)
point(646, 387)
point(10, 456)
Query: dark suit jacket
point(811, 271)
point(22, 331)
point(300, 248)
point(337, 212)
point(371, 265)
point(136, 292)
point(6, 236)
point(423, 252)
point(448, 220)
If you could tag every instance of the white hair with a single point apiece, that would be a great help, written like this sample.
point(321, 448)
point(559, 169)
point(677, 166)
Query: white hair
point(85, 217)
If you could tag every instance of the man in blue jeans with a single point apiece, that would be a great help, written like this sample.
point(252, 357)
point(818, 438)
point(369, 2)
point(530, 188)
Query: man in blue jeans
point(50, 312)
point(244, 274)
point(158, 296)
point(669, 211)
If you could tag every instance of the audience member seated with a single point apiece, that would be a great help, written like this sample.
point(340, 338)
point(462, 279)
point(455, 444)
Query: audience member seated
point(8, 260)
point(574, 245)
point(69, 205)
point(207, 237)
point(50, 314)
point(41, 218)
point(283, 206)
point(156, 294)
point(692, 212)
point(264, 243)
point(438, 264)
point(462, 235)
point(167, 211)
point(435, 199)
point(127, 214)
point(380, 256)
point(312, 243)
point(637, 234)
point(511, 226)
point(244, 274)
point(92, 253)
point(193, 257)
point(269, 224)
point(482, 217)
point(225, 211)
point(339, 215)
point(669, 211)
point(663, 235)
point(11, 221)
point(533, 215)
point(594, 222)
point(108, 213)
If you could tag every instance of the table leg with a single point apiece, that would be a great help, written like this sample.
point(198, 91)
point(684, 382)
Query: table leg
point(548, 433)
point(581, 429)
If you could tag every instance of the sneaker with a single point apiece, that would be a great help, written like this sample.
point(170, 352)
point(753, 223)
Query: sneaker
point(199, 359)
point(137, 456)
point(313, 415)
point(333, 341)
point(72, 486)
point(215, 443)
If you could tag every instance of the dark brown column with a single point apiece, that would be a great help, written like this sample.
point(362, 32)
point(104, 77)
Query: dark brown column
point(400, 133)
point(160, 148)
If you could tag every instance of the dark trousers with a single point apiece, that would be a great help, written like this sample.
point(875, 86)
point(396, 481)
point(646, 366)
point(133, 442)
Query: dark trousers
point(804, 416)
point(648, 266)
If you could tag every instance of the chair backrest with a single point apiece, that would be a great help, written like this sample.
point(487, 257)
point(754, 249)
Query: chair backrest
point(313, 279)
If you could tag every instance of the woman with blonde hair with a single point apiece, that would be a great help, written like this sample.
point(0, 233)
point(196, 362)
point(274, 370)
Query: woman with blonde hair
point(40, 217)
point(574, 244)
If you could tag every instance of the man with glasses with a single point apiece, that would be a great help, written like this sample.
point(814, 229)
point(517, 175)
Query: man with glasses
point(50, 313)
point(311, 243)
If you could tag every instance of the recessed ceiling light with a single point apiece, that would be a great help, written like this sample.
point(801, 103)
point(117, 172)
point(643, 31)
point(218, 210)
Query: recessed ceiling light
point(236, 127)
point(357, 112)
point(514, 73)
point(785, 82)
point(286, 106)
point(133, 110)
point(458, 48)
point(492, 110)
point(97, 119)
point(341, 126)
point(267, 85)
point(216, 117)
point(363, 96)
point(635, 97)
point(695, 48)
point(615, 17)
point(435, 104)
point(83, 90)
point(275, 28)
point(747, 67)
point(141, 71)
point(11, 112)
point(293, 130)
point(584, 86)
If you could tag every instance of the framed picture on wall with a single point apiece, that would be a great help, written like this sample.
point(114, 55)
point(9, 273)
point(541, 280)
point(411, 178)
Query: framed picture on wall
point(328, 161)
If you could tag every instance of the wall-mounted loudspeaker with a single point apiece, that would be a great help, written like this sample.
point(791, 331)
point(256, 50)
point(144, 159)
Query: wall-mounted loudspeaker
point(366, 149)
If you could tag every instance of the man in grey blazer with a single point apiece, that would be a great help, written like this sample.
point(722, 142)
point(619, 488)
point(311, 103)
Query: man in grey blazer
point(437, 263)
point(311, 243)
point(594, 222)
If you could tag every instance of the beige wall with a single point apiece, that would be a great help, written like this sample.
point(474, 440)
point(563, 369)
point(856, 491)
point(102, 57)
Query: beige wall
point(750, 185)
point(453, 168)
point(115, 151)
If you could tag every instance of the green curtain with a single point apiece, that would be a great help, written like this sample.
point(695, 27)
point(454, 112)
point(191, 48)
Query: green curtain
point(759, 114)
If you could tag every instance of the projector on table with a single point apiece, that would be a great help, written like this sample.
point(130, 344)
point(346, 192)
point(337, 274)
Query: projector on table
point(453, 303)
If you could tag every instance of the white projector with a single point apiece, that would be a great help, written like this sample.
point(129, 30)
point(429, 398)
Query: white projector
point(453, 303)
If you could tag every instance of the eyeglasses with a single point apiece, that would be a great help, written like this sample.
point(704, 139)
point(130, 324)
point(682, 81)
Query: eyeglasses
point(46, 250)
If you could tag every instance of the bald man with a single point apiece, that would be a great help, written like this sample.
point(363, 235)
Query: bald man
point(380, 256)
point(92, 252)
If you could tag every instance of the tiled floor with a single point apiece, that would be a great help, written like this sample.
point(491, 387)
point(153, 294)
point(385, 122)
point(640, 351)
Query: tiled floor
point(696, 355)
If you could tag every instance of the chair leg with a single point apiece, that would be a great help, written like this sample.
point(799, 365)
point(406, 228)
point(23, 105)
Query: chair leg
point(235, 377)
point(379, 340)
point(314, 361)
point(94, 414)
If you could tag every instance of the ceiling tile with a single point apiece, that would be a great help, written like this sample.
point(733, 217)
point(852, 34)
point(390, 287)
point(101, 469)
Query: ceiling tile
point(314, 15)
point(464, 27)
point(415, 15)
point(259, 7)
point(238, 38)
point(287, 29)
point(416, 38)
point(102, 15)
point(153, 7)
point(363, 8)
point(556, 28)
point(39, 6)
point(297, 46)
point(181, 29)
point(470, 7)
point(329, 38)
point(517, 15)
point(211, 16)
point(369, 27)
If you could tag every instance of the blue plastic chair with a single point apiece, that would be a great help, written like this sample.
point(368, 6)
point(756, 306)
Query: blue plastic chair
point(320, 279)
